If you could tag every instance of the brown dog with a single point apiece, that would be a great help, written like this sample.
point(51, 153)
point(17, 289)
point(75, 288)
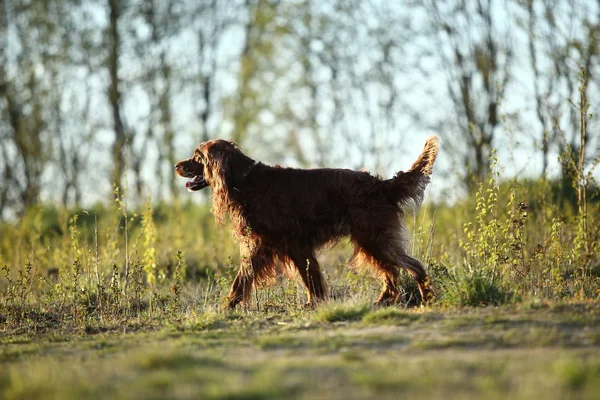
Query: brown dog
point(285, 215)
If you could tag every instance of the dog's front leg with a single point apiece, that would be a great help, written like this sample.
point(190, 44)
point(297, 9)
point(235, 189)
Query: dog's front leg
point(241, 287)
point(255, 268)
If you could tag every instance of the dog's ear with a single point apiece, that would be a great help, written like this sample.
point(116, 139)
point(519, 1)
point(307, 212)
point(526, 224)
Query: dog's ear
point(228, 164)
point(218, 173)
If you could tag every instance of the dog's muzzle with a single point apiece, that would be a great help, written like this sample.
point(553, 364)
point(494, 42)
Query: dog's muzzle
point(192, 170)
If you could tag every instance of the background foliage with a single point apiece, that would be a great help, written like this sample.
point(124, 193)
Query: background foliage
point(99, 99)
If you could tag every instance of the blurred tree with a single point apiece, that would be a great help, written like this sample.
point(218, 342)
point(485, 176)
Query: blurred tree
point(303, 82)
point(161, 22)
point(122, 135)
point(351, 55)
point(212, 20)
point(183, 48)
point(475, 52)
point(545, 80)
point(559, 55)
point(318, 82)
point(262, 33)
point(71, 104)
point(575, 55)
point(33, 44)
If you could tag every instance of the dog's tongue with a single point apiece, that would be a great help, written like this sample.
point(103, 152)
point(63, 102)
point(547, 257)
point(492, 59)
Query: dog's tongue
point(196, 183)
point(191, 182)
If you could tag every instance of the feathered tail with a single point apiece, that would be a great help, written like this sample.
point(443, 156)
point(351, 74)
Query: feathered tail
point(409, 187)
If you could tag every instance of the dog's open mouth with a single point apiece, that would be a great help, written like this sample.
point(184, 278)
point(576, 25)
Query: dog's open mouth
point(194, 172)
point(196, 183)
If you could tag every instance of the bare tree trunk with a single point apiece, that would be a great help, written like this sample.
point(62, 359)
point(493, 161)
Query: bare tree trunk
point(167, 123)
point(114, 95)
point(26, 136)
point(243, 115)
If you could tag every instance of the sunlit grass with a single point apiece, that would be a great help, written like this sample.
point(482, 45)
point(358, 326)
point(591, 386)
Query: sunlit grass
point(89, 312)
point(513, 351)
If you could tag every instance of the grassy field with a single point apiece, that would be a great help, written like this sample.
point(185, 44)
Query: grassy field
point(114, 302)
point(341, 350)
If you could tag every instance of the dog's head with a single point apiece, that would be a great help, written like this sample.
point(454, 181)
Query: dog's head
point(221, 165)
point(194, 169)
point(215, 163)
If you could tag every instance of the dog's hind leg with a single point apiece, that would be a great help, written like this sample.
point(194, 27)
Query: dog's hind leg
point(370, 250)
point(384, 254)
point(417, 271)
point(308, 267)
point(387, 272)
point(389, 292)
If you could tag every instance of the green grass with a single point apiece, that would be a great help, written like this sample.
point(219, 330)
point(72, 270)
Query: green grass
point(93, 308)
point(336, 312)
point(390, 316)
point(510, 351)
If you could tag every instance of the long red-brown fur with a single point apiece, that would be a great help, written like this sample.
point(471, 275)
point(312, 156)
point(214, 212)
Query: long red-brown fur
point(284, 215)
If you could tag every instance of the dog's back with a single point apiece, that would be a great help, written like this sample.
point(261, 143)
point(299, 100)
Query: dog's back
point(324, 204)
